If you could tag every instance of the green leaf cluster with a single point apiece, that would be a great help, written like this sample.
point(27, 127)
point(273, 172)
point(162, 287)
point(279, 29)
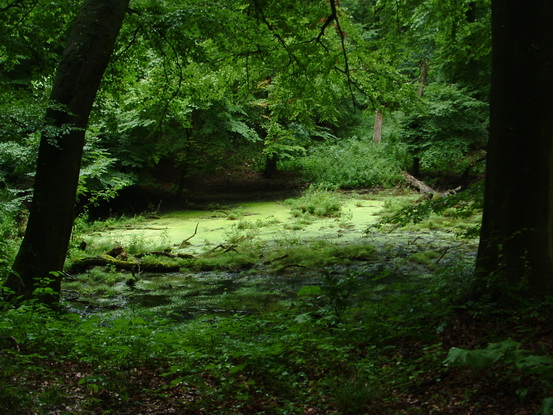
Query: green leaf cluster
point(449, 130)
point(506, 353)
point(352, 163)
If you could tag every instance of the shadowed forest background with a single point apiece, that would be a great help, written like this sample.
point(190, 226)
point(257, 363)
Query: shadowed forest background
point(276, 207)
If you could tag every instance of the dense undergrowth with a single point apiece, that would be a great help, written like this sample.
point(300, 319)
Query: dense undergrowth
point(353, 163)
point(376, 326)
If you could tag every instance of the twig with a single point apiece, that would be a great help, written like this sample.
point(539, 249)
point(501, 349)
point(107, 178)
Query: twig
point(326, 23)
point(291, 56)
point(230, 248)
point(225, 248)
point(444, 251)
point(269, 261)
point(129, 45)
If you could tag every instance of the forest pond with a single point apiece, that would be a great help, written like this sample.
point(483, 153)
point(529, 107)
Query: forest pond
point(255, 256)
point(266, 220)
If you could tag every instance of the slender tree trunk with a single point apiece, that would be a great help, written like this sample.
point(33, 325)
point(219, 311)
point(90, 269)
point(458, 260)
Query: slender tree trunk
point(378, 126)
point(271, 166)
point(423, 77)
point(516, 245)
point(44, 247)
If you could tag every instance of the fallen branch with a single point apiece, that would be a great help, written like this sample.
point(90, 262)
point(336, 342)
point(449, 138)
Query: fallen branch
point(285, 267)
point(225, 248)
point(185, 242)
point(269, 261)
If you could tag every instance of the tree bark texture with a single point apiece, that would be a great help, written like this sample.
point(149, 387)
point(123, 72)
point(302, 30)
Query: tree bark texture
point(84, 60)
point(516, 246)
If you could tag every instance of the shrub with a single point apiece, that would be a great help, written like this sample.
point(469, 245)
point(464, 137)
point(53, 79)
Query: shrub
point(448, 132)
point(317, 202)
point(352, 163)
point(10, 210)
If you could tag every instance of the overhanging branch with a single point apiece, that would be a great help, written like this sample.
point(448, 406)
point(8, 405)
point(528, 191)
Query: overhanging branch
point(15, 3)
point(328, 20)
point(278, 37)
point(344, 51)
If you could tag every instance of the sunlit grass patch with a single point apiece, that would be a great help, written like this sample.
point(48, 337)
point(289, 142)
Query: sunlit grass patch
point(226, 258)
point(317, 202)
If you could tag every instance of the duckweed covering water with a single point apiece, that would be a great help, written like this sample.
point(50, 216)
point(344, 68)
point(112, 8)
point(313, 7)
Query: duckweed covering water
point(254, 258)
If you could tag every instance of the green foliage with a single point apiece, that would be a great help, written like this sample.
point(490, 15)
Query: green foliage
point(184, 96)
point(352, 396)
point(281, 143)
point(316, 201)
point(99, 179)
point(14, 400)
point(352, 163)
point(463, 209)
point(13, 220)
point(30, 36)
point(547, 406)
point(453, 36)
point(507, 351)
point(448, 131)
point(328, 303)
point(21, 114)
point(509, 354)
point(326, 325)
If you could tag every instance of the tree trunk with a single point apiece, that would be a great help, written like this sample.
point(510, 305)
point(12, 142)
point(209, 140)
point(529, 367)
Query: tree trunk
point(378, 126)
point(416, 164)
point(44, 247)
point(516, 245)
point(271, 166)
point(423, 77)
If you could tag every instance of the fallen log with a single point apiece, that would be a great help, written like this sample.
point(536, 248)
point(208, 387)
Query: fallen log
point(83, 264)
point(419, 185)
point(156, 253)
point(166, 254)
point(426, 190)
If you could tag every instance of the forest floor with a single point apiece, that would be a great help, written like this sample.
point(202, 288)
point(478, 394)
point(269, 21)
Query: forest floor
point(360, 321)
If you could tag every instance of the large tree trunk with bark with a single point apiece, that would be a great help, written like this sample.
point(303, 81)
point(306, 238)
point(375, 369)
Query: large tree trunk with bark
point(44, 247)
point(516, 246)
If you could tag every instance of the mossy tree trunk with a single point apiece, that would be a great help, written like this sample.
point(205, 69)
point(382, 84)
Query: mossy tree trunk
point(516, 246)
point(84, 60)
